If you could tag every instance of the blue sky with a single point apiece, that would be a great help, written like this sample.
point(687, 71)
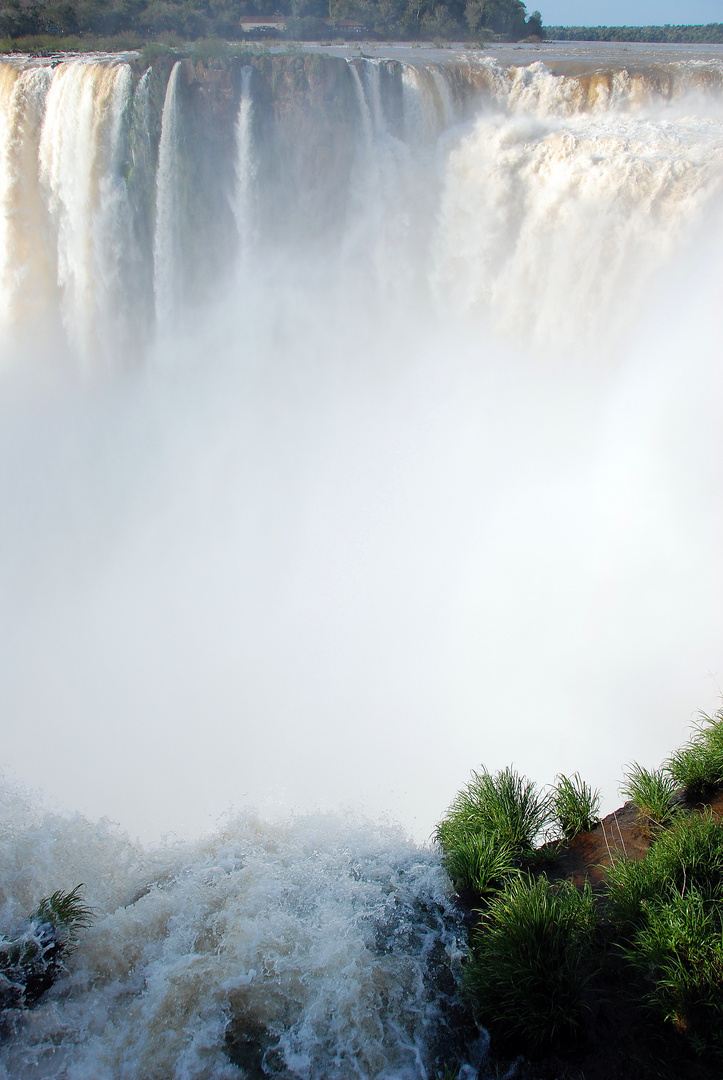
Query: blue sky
point(627, 12)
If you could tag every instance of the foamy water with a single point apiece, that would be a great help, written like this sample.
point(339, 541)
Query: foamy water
point(324, 947)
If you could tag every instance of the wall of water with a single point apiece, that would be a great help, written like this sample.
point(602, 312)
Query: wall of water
point(121, 188)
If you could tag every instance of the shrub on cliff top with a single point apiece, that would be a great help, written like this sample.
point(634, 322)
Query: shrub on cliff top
point(575, 805)
point(651, 792)
point(503, 806)
point(698, 766)
point(531, 961)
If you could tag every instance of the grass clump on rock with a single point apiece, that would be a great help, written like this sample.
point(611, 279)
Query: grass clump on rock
point(480, 864)
point(502, 807)
point(31, 961)
point(575, 805)
point(697, 767)
point(611, 928)
point(531, 961)
point(687, 856)
point(530, 956)
point(669, 910)
point(679, 951)
point(651, 791)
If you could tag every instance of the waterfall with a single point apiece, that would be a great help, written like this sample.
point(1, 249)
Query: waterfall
point(373, 76)
point(445, 98)
point(166, 242)
point(364, 111)
point(80, 158)
point(9, 80)
point(25, 273)
point(105, 217)
point(421, 115)
point(243, 202)
point(359, 425)
point(517, 199)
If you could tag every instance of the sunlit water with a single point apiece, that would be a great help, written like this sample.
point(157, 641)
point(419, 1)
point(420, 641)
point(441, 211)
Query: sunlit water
point(359, 424)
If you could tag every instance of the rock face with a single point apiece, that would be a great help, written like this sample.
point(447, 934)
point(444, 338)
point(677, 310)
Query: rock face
point(304, 125)
point(304, 122)
point(313, 118)
point(622, 834)
point(587, 856)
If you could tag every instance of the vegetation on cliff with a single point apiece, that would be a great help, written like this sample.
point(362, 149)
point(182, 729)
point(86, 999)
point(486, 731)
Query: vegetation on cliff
point(581, 927)
point(32, 960)
point(595, 947)
point(131, 22)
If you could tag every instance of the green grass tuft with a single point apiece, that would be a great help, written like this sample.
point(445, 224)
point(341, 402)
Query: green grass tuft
point(503, 806)
point(480, 863)
point(680, 951)
point(65, 912)
point(669, 910)
point(651, 792)
point(698, 766)
point(531, 961)
point(32, 961)
point(575, 805)
point(687, 855)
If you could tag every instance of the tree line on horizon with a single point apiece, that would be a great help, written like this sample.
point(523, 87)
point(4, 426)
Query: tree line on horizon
point(191, 20)
point(177, 21)
point(708, 34)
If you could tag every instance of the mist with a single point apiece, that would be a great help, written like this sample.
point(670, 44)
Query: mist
point(434, 489)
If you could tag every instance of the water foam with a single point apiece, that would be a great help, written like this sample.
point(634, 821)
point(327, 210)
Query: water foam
point(319, 948)
point(559, 227)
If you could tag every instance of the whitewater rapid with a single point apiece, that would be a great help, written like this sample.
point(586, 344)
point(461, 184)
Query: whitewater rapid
point(326, 947)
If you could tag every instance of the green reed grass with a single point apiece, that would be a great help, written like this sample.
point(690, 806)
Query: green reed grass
point(480, 863)
point(697, 766)
point(679, 951)
point(531, 962)
point(687, 855)
point(503, 806)
point(668, 908)
point(65, 911)
point(574, 805)
point(651, 792)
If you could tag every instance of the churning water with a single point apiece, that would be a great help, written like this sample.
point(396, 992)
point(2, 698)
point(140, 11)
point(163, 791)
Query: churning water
point(359, 423)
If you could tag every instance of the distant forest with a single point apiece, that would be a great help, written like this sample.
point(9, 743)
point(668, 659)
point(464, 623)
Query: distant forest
point(190, 20)
point(44, 25)
point(712, 34)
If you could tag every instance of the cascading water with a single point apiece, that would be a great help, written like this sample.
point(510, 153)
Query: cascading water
point(166, 245)
point(245, 170)
point(23, 97)
point(358, 424)
point(88, 208)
